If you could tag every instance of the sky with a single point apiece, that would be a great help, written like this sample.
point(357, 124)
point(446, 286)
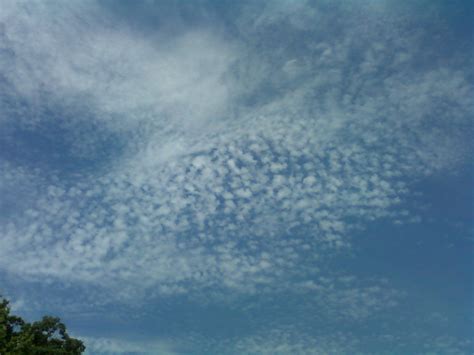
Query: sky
point(240, 177)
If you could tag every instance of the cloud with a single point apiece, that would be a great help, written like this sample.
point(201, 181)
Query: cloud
point(315, 152)
point(293, 160)
point(245, 165)
point(114, 346)
point(285, 341)
point(73, 57)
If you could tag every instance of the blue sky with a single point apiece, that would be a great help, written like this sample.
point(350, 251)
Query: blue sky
point(240, 177)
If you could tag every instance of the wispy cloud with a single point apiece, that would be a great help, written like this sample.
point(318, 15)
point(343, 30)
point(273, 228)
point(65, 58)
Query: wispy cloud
point(114, 346)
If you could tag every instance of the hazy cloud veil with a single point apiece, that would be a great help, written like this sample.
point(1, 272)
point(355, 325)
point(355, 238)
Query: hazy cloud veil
point(199, 177)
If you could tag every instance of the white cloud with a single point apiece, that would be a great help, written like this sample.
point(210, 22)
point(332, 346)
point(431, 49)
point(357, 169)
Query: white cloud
point(96, 345)
point(72, 55)
point(228, 145)
point(288, 341)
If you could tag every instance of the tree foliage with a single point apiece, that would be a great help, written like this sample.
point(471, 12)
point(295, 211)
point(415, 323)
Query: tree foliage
point(47, 336)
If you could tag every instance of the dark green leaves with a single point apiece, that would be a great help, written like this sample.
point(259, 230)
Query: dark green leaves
point(47, 336)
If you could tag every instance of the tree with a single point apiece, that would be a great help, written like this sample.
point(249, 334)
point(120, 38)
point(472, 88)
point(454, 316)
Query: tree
point(47, 336)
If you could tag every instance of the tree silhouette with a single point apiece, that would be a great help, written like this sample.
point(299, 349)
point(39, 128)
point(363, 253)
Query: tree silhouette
point(47, 336)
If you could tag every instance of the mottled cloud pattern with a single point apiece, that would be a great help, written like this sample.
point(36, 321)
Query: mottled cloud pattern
point(225, 160)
